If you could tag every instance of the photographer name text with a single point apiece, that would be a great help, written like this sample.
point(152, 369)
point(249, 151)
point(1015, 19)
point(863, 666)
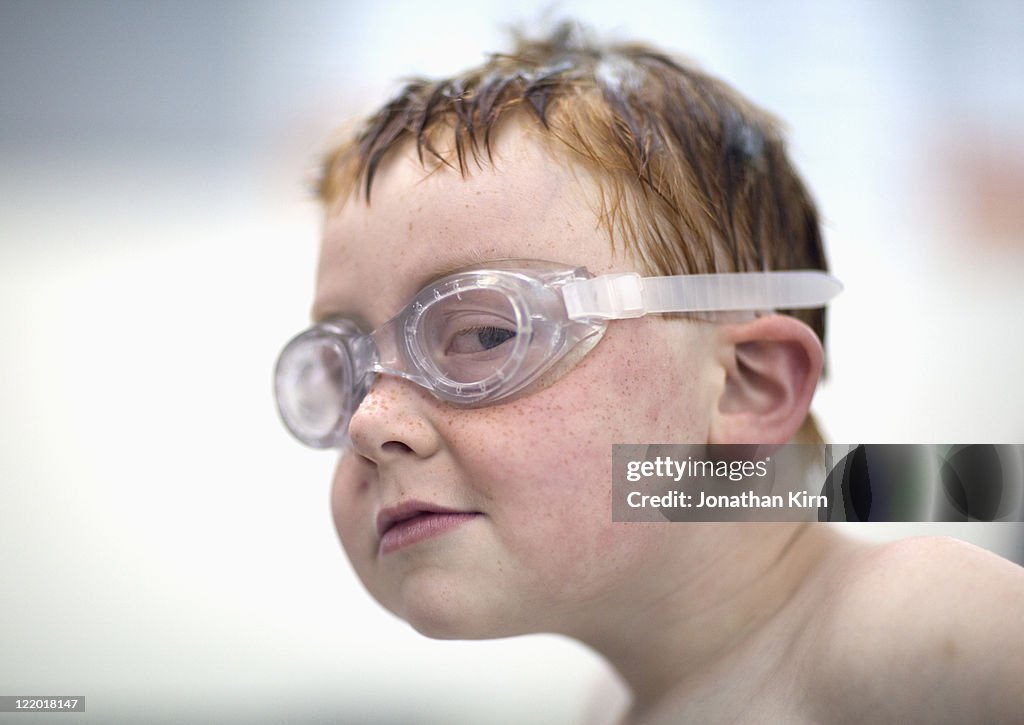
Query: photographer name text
point(746, 499)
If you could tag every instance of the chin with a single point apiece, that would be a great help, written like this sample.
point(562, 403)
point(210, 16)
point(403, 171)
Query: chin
point(445, 610)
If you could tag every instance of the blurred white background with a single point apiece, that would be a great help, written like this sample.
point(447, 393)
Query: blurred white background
point(166, 550)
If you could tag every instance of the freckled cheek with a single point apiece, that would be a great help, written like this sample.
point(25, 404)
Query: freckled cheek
point(658, 393)
point(544, 472)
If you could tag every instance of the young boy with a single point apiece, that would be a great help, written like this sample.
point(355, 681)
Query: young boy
point(477, 413)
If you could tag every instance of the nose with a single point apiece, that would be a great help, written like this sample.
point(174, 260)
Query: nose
point(393, 422)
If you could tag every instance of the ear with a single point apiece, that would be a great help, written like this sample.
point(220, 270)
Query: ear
point(772, 366)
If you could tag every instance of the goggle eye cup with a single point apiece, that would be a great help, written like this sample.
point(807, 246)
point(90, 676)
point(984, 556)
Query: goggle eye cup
point(314, 388)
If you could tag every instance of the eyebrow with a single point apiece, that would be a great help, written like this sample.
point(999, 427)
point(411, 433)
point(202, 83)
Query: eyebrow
point(446, 265)
point(453, 263)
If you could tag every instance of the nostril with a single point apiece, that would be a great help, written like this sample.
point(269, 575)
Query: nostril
point(395, 447)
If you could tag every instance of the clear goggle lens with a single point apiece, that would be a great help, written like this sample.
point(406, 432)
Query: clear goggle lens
point(315, 386)
point(465, 338)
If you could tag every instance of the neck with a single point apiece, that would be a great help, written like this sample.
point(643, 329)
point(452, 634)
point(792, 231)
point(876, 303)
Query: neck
point(714, 618)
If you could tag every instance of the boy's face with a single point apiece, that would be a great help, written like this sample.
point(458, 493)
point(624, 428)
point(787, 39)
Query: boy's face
point(541, 552)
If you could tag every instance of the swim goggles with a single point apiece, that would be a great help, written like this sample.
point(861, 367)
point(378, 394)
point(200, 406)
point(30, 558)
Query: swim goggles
point(483, 334)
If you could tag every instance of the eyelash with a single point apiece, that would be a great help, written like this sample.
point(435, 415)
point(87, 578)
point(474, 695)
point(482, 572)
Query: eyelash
point(488, 329)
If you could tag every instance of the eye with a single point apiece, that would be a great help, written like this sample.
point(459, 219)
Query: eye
point(478, 339)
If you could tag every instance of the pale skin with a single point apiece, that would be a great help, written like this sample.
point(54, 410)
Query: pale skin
point(704, 622)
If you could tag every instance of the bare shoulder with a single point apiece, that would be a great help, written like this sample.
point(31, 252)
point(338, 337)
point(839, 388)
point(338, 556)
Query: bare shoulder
point(927, 629)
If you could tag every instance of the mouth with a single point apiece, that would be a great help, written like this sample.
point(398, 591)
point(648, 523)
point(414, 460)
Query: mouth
point(414, 521)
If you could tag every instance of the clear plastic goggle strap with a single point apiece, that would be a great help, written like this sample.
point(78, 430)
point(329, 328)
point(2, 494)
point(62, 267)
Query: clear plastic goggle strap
point(621, 296)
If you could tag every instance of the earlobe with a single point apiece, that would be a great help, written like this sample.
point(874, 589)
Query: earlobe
point(772, 366)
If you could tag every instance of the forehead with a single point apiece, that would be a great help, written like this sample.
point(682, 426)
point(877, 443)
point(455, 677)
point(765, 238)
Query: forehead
point(422, 223)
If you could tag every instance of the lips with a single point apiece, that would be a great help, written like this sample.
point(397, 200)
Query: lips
point(414, 521)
